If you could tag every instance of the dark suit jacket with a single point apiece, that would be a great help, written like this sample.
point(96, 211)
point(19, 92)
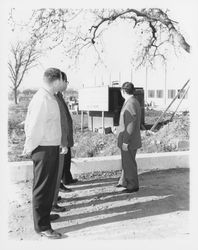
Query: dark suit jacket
point(129, 124)
point(66, 122)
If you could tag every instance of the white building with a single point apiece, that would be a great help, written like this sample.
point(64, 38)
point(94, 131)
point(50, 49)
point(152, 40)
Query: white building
point(162, 83)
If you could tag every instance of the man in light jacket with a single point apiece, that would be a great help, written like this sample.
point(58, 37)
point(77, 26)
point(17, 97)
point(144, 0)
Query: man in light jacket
point(43, 138)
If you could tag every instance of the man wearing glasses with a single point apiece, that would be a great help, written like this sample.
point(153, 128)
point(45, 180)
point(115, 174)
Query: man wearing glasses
point(67, 142)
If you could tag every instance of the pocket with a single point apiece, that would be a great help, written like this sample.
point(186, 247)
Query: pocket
point(35, 151)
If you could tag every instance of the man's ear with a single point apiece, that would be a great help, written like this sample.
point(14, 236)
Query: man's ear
point(56, 84)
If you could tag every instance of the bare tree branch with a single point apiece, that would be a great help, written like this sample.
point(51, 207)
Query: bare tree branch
point(22, 58)
point(60, 27)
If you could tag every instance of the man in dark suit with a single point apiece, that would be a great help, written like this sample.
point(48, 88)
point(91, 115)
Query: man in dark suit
point(129, 139)
point(69, 141)
point(64, 172)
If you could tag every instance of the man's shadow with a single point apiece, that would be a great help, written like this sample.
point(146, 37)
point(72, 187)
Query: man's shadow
point(93, 184)
point(161, 192)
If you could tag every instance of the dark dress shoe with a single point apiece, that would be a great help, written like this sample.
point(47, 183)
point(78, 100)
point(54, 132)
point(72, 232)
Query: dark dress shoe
point(58, 209)
point(71, 181)
point(54, 217)
point(130, 190)
point(118, 186)
point(51, 234)
point(64, 189)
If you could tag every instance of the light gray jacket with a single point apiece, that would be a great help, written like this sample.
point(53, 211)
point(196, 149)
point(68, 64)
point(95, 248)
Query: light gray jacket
point(129, 124)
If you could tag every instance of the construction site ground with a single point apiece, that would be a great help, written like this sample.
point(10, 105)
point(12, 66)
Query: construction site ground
point(97, 210)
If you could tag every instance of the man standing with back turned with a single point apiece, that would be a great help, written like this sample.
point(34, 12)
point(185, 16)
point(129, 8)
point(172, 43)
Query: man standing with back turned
point(43, 137)
point(129, 139)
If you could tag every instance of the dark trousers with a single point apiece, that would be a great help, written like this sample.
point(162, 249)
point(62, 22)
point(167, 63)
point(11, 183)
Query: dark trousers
point(67, 176)
point(45, 162)
point(59, 176)
point(129, 177)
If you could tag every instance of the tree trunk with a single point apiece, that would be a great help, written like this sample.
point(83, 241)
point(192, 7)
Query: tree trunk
point(15, 95)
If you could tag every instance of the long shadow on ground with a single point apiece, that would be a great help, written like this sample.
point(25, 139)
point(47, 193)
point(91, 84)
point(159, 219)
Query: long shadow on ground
point(166, 191)
point(95, 184)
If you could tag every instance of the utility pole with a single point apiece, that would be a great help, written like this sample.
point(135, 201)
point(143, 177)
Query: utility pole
point(146, 84)
point(110, 83)
point(131, 75)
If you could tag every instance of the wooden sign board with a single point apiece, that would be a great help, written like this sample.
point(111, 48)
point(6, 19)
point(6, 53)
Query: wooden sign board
point(94, 99)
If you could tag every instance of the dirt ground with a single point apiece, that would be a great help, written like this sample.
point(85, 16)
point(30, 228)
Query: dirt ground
point(96, 209)
point(164, 139)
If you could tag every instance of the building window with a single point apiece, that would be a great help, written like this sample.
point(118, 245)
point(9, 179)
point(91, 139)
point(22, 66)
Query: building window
point(159, 93)
point(171, 93)
point(151, 93)
point(182, 93)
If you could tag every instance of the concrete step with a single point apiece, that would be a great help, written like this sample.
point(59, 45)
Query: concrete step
point(22, 171)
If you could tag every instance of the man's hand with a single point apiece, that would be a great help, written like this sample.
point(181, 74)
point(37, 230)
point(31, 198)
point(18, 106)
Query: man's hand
point(25, 154)
point(114, 130)
point(64, 150)
point(124, 147)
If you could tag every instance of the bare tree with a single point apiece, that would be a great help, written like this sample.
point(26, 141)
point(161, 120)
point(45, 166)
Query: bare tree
point(23, 57)
point(153, 23)
point(83, 28)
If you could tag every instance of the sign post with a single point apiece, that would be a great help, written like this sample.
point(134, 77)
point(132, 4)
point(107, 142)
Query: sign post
point(82, 120)
point(103, 129)
point(94, 99)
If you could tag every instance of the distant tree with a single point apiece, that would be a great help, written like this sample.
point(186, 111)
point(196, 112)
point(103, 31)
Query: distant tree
point(23, 57)
point(70, 93)
point(11, 94)
point(29, 91)
point(77, 29)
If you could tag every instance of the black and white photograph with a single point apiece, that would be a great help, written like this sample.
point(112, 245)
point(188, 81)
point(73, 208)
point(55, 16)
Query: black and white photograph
point(98, 106)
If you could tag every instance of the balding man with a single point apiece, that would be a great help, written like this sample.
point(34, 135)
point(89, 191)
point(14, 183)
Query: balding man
point(43, 137)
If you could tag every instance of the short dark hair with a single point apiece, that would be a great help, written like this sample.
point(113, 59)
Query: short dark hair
point(52, 74)
point(64, 76)
point(128, 87)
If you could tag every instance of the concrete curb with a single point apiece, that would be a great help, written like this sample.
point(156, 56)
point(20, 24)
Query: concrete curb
point(22, 171)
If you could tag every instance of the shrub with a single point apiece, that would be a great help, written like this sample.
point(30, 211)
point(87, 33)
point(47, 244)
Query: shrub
point(14, 123)
point(30, 92)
